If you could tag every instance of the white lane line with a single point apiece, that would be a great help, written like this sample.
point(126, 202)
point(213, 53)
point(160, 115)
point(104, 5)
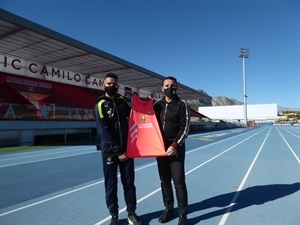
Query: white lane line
point(49, 199)
point(288, 132)
point(196, 149)
point(66, 193)
point(225, 216)
point(289, 146)
point(41, 160)
point(124, 209)
point(216, 156)
point(41, 153)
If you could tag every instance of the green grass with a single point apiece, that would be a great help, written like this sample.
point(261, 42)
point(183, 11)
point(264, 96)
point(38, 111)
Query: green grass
point(23, 148)
point(42, 147)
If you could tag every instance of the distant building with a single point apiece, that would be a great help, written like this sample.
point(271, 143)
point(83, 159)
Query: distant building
point(261, 113)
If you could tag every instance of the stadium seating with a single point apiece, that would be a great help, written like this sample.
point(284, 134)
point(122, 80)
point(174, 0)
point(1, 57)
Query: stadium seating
point(80, 97)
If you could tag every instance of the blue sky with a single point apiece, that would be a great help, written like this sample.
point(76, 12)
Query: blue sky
point(197, 41)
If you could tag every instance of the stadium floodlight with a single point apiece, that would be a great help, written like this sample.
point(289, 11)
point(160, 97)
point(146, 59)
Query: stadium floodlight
point(244, 53)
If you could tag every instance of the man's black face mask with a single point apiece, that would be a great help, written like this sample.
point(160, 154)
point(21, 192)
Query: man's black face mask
point(111, 90)
point(170, 92)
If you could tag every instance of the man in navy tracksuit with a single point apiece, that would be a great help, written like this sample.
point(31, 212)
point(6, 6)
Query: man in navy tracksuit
point(174, 119)
point(112, 113)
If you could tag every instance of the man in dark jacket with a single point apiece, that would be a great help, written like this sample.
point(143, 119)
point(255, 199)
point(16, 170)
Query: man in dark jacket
point(112, 113)
point(173, 118)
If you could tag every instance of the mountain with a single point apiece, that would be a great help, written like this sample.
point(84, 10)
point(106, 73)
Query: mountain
point(212, 101)
point(289, 109)
point(222, 100)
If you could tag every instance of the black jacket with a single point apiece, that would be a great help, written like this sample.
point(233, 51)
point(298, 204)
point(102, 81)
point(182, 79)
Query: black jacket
point(174, 120)
point(112, 124)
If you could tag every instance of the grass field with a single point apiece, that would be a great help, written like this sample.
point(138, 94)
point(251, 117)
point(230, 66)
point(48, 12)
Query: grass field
point(23, 148)
point(41, 147)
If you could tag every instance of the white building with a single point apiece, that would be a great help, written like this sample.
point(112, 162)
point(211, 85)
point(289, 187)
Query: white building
point(235, 113)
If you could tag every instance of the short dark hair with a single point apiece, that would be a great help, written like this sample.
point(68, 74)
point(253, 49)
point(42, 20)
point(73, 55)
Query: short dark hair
point(169, 78)
point(112, 75)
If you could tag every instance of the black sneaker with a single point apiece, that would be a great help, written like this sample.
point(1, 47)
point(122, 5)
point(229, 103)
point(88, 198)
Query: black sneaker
point(182, 220)
point(134, 219)
point(166, 216)
point(114, 220)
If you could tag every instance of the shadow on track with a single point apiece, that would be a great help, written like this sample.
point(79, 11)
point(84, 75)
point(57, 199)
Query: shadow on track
point(256, 195)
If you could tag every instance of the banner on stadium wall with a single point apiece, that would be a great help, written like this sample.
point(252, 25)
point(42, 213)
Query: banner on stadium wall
point(22, 67)
point(144, 136)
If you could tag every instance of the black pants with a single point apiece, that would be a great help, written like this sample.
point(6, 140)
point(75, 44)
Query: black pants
point(110, 169)
point(172, 167)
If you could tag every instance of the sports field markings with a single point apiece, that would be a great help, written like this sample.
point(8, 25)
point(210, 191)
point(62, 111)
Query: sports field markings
point(66, 193)
point(49, 199)
point(99, 182)
point(192, 170)
point(41, 160)
point(288, 132)
point(216, 156)
point(197, 149)
point(38, 153)
point(202, 139)
point(233, 201)
point(289, 146)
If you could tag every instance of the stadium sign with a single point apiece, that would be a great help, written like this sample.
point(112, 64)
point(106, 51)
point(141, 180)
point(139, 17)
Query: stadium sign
point(18, 66)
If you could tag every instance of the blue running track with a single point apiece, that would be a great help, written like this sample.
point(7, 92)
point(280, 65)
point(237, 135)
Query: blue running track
point(240, 176)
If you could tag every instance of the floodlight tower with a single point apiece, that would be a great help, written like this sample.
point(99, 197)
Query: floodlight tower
point(244, 53)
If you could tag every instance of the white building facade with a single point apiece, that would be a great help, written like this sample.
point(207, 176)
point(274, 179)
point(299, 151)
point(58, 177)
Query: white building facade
point(260, 113)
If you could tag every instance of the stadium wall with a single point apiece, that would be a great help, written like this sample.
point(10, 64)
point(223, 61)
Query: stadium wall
point(29, 133)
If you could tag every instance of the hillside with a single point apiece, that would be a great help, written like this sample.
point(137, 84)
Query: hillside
point(289, 109)
point(212, 101)
point(222, 100)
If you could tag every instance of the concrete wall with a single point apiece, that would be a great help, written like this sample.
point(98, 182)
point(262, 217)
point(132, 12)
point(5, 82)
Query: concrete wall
point(24, 133)
point(210, 126)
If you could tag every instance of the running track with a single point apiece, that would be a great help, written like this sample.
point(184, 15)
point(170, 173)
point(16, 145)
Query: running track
point(235, 177)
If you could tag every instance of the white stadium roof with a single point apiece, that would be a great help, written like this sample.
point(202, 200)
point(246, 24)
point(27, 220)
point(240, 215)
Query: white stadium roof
point(22, 38)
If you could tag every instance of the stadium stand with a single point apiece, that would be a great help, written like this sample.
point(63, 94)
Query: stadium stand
point(30, 102)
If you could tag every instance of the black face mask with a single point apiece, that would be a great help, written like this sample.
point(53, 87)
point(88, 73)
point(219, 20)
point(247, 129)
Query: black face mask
point(170, 92)
point(111, 90)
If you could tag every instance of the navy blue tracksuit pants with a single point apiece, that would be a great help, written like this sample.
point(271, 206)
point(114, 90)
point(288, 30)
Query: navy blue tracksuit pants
point(110, 170)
